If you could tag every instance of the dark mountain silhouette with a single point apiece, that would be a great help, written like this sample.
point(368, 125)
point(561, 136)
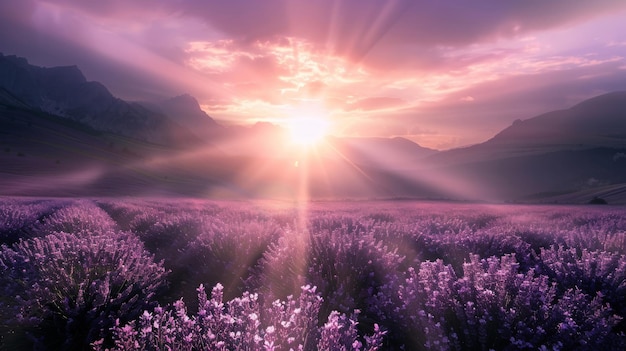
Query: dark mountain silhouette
point(65, 92)
point(560, 152)
point(600, 121)
point(46, 155)
point(387, 153)
point(7, 98)
point(185, 110)
point(596, 122)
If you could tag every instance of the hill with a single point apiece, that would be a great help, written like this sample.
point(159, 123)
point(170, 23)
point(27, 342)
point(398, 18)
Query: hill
point(65, 92)
point(560, 152)
point(386, 153)
point(593, 123)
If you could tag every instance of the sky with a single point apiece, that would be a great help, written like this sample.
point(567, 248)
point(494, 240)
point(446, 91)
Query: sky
point(444, 73)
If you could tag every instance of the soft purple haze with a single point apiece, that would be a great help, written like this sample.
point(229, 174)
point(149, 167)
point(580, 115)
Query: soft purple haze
point(444, 73)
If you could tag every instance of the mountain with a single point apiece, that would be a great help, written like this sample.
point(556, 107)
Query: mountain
point(596, 122)
point(600, 121)
point(185, 110)
point(46, 155)
point(61, 135)
point(560, 152)
point(385, 153)
point(9, 99)
point(65, 92)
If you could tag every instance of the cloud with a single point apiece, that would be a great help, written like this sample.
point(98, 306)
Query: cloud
point(358, 24)
point(279, 71)
point(351, 28)
point(375, 103)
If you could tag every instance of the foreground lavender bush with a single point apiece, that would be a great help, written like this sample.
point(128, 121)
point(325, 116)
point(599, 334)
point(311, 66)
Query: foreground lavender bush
point(63, 291)
point(241, 324)
point(492, 306)
point(594, 272)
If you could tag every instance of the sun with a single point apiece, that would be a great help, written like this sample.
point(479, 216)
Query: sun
point(308, 131)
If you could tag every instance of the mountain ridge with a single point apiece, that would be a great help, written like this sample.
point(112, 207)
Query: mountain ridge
point(64, 91)
point(610, 120)
point(391, 153)
point(596, 122)
point(186, 111)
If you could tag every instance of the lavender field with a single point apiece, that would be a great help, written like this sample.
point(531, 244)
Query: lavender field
point(126, 274)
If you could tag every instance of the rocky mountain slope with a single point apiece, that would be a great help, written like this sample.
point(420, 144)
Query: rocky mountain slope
point(596, 122)
point(65, 92)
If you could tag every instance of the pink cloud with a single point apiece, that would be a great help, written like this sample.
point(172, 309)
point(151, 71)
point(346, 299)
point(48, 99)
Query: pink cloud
point(375, 103)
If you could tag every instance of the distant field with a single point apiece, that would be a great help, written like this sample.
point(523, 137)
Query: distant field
point(102, 273)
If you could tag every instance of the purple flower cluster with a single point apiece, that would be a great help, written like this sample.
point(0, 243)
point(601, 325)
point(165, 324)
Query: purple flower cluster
point(18, 217)
point(80, 216)
point(243, 324)
point(64, 290)
point(492, 306)
point(599, 273)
